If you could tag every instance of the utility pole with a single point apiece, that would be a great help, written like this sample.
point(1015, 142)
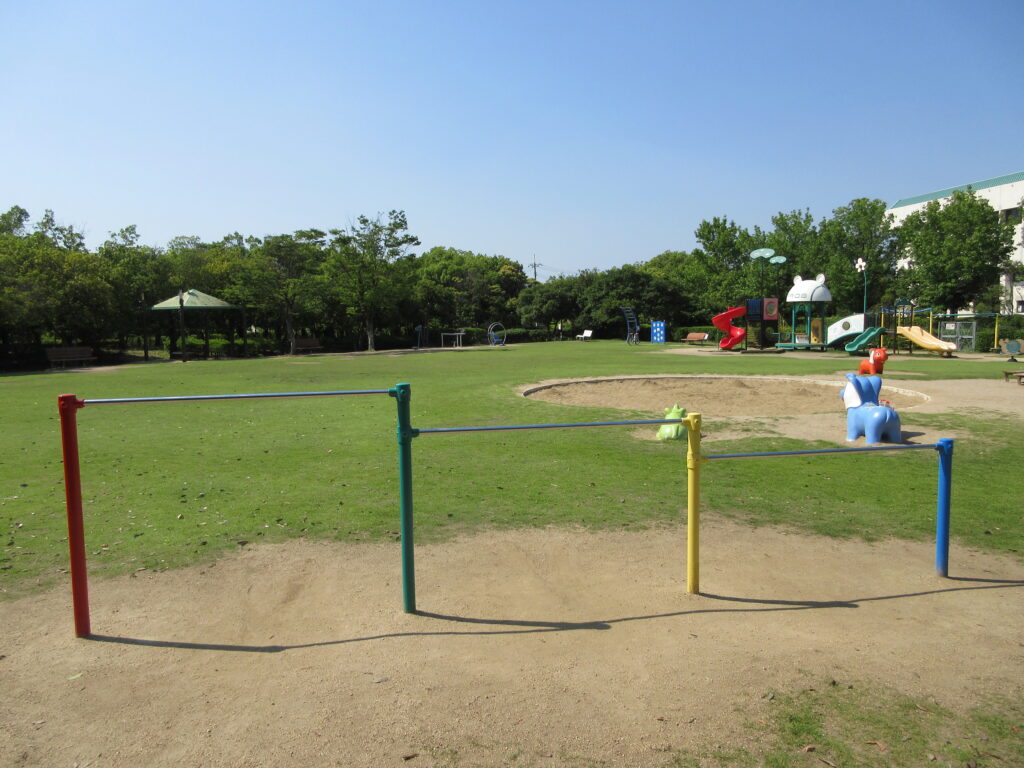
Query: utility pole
point(535, 265)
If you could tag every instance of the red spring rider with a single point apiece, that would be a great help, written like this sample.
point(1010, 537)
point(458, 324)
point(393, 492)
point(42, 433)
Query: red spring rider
point(875, 362)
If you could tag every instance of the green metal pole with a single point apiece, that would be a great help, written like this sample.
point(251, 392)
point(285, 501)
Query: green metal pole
point(865, 295)
point(403, 394)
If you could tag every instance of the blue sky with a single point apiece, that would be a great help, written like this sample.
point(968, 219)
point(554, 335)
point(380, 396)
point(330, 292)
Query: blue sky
point(574, 134)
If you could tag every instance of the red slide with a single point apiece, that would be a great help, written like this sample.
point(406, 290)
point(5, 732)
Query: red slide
point(733, 334)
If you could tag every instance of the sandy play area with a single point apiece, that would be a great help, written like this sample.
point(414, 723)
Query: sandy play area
point(534, 648)
point(804, 407)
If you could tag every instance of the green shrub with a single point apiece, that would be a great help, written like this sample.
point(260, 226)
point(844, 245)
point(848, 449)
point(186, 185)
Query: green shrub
point(522, 335)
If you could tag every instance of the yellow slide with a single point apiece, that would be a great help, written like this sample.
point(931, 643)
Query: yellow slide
point(922, 338)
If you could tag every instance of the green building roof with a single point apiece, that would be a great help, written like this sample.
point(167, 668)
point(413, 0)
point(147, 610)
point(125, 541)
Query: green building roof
point(997, 181)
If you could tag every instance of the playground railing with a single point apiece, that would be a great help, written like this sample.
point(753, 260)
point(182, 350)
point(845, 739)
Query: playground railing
point(69, 404)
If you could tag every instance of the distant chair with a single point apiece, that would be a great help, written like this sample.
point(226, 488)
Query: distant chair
point(585, 336)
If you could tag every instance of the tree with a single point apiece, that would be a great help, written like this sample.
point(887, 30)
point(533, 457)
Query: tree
point(284, 278)
point(955, 251)
point(368, 263)
point(860, 230)
point(139, 277)
point(68, 291)
point(796, 237)
point(548, 303)
point(600, 296)
point(727, 243)
point(13, 222)
point(458, 288)
point(63, 236)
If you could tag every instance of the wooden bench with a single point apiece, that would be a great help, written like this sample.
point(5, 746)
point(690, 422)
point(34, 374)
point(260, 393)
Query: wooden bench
point(1008, 374)
point(65, 355)
point(307, 345)
point(695, 338)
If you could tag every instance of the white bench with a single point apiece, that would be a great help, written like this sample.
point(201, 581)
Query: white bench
point(585, 336)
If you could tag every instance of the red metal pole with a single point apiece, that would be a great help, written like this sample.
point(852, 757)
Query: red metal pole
point(68, 406)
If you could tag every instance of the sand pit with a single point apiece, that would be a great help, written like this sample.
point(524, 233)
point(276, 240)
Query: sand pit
point(807, 408)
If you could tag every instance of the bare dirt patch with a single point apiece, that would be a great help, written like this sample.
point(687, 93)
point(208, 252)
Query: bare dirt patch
point(807, 408)
point(536, 648)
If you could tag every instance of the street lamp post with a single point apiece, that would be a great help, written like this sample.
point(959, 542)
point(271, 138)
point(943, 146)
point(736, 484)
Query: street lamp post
point(862, 267)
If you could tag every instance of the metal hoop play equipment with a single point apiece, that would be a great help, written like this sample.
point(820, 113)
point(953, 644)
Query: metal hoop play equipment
point(632, 325)
point(496, 334)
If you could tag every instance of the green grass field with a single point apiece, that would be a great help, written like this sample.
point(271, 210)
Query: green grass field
point(172, 484)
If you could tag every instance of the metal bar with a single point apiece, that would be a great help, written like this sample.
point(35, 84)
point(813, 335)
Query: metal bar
point(942, 507)
point(67, 407)
point(255, 396)
point(405, 433)
point(693, 458)
point(547, 426)
point(865, 449)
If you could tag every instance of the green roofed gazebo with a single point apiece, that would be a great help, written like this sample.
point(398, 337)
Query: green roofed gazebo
point(193, 300)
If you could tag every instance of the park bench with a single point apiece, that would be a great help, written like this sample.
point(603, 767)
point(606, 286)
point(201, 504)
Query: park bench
point(585, 336)
point(65, 355)
point(1008, 374)
point(307, 344)
point(695, 338)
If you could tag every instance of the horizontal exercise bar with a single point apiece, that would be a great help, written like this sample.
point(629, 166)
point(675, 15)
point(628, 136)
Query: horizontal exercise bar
point(864, 449)
point(112, 400)
point(548, 426)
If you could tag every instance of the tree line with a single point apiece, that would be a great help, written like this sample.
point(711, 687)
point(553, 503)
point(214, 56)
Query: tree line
point(362, 286)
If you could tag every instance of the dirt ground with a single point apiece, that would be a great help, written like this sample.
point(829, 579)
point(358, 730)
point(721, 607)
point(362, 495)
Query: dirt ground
point(533, 648)
point(805, 407)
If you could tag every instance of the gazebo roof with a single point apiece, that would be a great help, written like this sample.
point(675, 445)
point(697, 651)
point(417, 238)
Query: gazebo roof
point(193, 299)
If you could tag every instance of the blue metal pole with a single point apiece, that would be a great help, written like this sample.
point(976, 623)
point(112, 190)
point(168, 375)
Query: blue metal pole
point(945, 449)
point(862, 449)
point(403, 394)
point(437, 430)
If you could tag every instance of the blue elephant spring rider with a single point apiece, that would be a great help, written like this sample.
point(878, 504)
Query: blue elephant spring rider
point(864, 415)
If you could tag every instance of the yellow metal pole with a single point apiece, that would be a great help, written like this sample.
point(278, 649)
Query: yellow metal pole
point(693, 459)
point(995, 340)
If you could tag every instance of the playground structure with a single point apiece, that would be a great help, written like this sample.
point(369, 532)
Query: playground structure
point(496, 335)
point(632, 325)
point(861, 330)
point(807, 300)
point(918, 336)
point(764, 313)
point(734, 334)
point(69, 404)
point(903, 316)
